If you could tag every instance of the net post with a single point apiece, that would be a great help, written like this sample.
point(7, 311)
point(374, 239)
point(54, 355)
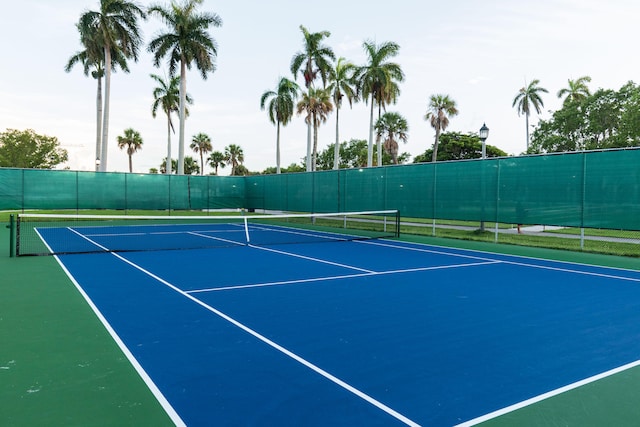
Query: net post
point(398, 223)
point(12, 236)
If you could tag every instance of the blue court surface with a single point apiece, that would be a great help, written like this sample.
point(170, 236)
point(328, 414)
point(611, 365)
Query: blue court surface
point(374, 332)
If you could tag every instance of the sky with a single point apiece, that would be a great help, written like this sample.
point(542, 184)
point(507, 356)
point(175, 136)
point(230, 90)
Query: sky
point(478, 53)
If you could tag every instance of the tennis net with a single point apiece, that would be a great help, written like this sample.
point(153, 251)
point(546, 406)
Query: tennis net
point(52, 234)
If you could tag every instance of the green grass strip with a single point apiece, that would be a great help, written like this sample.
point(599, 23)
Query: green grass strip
point(58, 364)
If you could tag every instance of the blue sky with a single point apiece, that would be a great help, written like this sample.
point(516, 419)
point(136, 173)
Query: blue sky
point(479, 53)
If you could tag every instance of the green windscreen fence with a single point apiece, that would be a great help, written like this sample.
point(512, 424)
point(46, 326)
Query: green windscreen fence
point(598, 189)
point(27, 189)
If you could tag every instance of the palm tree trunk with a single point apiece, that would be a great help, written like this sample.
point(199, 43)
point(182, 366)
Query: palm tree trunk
point(434, 157)
point(130, 163)
point(336, 151)
point(183, 97)
point(105, 121)
point(309, 147)
point(168, 164)
point(370, 146)
point(98, 122)
point(526, 117)
point(393, 150)
point(315, 143)
point(379, 142)
point(201, 164)
point(278, 147)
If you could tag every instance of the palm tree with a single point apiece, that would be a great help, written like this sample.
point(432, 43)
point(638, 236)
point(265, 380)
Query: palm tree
point(440, 106)
point(186, 41)
point(527, 96)
point(392, 127)
point(378, 80)
point(92, 58)
point(233, 155)
point(280, 108)
point(577, 90)
point(167, 97)
point(132, 141)
point(115, 28)
point(317, 105)
point(163, 166)
point(313, 60)
point(341, 85)
point(216, 159)
point(201, 143)
point(191, 166)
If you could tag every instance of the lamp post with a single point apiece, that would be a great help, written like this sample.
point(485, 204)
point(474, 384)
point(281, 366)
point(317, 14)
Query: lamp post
point(483, 134)
point(97, 164)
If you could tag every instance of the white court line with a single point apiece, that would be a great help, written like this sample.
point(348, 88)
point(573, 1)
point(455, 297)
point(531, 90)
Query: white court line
point(548, 395)
point(507, 255)
point(522, 264)
point(171, 412)
point(431, 251)
point(569, 270)
point(154, 233)
point(287, 230)
point(347, 276)
point(262, 248)
point(269, 342)
point(216, 238)
point(113, 234)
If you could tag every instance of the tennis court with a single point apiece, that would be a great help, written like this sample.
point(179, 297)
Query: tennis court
point(254, 328)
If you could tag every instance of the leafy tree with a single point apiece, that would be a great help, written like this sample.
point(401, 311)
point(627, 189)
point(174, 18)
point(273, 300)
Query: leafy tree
point(378, 83)
point(353, 154)
point(440, 106)
point(216, 159)
point(458, 146)
point(115, 28)
point(629, 128)
point(132, 141)
point(234, 156)
point(577, 90)
point(317, 106)
point(201, 143)
point(565, 131)
point(392, 127)
point(312, 61)
point(186, 41)
point(241, 170)
point(528, 96)
point(605, 119)
point(27, 149)
point(167, 97)
point(281, 106)
point(293, 167)
point(190, 166)
point(342, 84)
